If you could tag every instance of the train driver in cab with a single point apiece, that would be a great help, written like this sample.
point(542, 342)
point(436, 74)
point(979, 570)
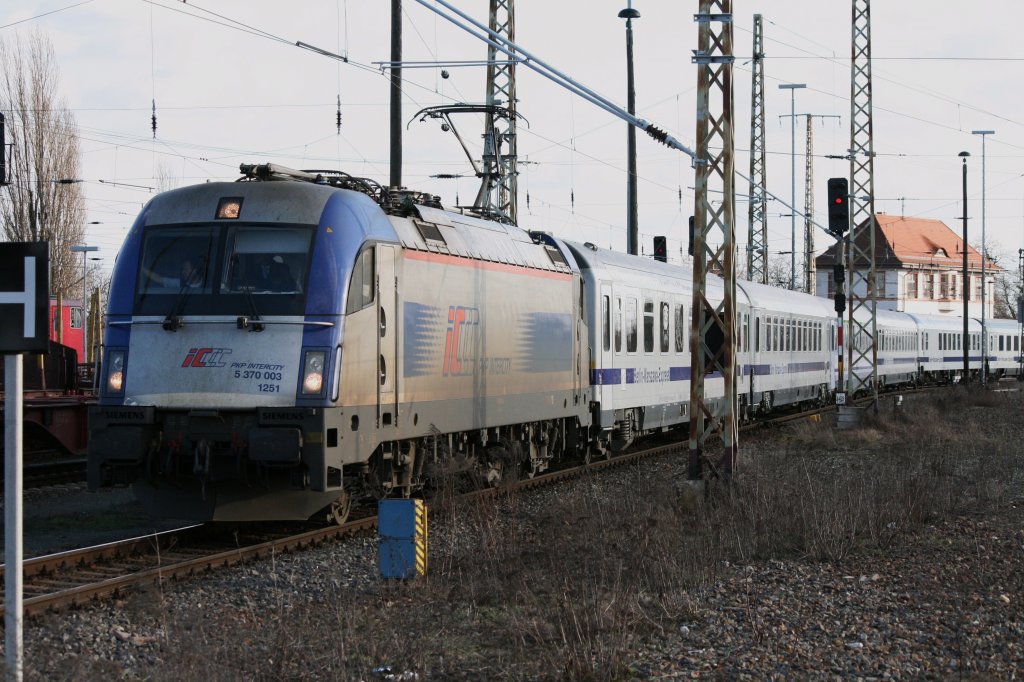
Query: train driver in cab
point(273, 274)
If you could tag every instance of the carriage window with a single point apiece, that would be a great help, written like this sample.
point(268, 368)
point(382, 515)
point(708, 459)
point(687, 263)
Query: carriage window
point(606, 313)
point(76, 318)
point(664, 327)
point(618, 325)
point(631, 325)
point(680, 329)
point(1001, 342)
point(648, 326)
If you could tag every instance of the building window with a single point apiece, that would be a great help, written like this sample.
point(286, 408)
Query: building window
point(911, 284)
point(929, 290)
point(76, 318)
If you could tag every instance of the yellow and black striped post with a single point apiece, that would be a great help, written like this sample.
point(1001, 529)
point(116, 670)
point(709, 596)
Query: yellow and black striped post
point(402, 538)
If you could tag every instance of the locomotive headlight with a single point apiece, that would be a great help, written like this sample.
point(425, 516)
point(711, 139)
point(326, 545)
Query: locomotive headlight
point(313, 372)
point(115, 371)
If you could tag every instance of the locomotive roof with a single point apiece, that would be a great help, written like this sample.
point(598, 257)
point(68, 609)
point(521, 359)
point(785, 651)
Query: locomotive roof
point(446, 232)
point(293, 202)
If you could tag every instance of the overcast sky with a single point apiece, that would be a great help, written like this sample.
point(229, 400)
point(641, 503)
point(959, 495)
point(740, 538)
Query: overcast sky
point(231, 87)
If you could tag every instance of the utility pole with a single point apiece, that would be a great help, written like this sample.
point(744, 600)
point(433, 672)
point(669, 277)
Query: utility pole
point(396, 94)
point(984, 256)
point(967, 277)
point(862, 349)
point(757, 212)
point(712, 334)
point(1020, 305)
point(809, 268)
point(632, 216)
point(792, 87)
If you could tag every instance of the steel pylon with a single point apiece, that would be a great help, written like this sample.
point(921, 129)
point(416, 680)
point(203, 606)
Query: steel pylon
point(860, 265)
point(712, 334)
point(757, 212)
point(499, 161)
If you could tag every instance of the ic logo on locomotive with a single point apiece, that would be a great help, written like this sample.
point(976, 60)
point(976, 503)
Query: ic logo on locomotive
point(206, 357)
point(460, 340)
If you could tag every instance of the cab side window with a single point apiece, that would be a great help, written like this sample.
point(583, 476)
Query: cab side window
point(362, 286)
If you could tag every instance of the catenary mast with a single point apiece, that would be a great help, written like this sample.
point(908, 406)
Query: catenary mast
point(713, 331)
point(757, 213)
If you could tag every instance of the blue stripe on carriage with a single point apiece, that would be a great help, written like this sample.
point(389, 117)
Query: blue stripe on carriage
point(605, 377)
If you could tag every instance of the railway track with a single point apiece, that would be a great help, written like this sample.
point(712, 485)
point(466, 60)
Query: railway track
point(84, 575)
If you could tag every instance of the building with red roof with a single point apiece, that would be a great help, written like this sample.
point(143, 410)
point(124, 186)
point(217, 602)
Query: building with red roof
point(919, 268)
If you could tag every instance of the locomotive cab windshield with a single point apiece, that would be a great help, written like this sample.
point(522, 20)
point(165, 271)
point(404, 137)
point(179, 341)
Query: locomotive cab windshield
point(224, 270)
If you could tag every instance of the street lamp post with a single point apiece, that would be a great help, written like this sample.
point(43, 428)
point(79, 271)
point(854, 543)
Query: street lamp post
point(792, 87)
point(967, 279)
point(85, 301)
point(984, 284)
point(632, 216)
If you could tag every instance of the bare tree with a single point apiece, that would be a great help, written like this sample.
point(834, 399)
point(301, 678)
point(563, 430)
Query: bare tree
point(1005, 279)
point(42, 202)
point(165, 177)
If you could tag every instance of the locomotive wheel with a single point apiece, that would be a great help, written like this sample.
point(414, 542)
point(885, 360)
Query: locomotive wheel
point(338, 511)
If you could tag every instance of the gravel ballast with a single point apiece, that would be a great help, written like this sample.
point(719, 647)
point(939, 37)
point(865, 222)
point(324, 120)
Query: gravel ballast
point(613, 576)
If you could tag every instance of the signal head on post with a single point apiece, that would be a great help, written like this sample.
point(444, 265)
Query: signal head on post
point(838, 207)
point(660, 249)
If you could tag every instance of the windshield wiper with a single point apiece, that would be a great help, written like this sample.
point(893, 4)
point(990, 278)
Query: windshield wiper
point(254, 322)
point(174, 321)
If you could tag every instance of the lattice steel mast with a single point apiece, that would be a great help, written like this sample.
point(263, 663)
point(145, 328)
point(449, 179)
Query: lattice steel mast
point(499, 188)
point(757, 213)
point(712, 333)
point(860, 264)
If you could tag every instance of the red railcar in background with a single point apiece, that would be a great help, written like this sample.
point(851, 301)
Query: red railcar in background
point(67, 325)
point(57, 387)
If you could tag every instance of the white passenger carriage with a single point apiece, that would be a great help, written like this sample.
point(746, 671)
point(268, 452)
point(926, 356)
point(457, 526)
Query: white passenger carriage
point(792, 351)
point(940, 351)
point(896, 347)
point(1004, 347)
point(640, 341)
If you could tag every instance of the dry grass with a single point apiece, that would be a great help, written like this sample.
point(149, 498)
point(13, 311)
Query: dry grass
point(569, 592)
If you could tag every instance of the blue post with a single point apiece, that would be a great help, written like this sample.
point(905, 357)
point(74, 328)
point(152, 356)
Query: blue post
point(402, 538)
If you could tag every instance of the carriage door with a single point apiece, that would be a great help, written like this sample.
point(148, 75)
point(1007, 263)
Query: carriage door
point(387, 336)
point(607, 328)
